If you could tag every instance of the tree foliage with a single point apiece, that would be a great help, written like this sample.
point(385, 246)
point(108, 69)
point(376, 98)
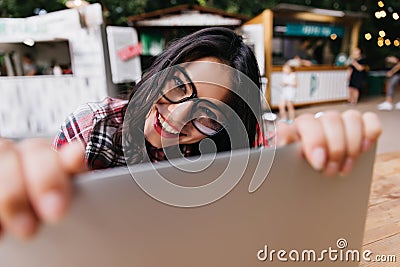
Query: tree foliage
point(118, 10)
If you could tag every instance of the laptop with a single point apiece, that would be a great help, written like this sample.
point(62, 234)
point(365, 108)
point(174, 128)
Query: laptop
point(291, 216)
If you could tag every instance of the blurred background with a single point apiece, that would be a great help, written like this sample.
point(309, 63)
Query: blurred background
point(56, 55)
point(380, 15)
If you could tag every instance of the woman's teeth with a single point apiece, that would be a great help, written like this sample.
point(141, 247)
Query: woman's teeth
point(166, 127)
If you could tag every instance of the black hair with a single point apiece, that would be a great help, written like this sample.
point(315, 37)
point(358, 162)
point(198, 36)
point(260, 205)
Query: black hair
point(28, 56)
point(221, 43)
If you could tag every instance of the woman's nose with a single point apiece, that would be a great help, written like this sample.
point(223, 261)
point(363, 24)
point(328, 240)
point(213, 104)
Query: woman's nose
point(180, 113)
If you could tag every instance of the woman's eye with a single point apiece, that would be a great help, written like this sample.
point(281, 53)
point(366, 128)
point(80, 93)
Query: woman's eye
point(207, 112)
point(179, 84)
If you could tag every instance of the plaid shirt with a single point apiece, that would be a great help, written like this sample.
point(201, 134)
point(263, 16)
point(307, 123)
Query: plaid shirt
point(94, 125)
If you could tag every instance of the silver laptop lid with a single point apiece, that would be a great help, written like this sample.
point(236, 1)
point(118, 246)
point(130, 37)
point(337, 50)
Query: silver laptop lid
point(113, 222)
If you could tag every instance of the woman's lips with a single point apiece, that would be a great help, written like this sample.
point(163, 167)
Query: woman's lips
point(160, 130)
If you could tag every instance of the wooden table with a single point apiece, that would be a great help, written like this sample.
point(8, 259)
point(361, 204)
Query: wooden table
point(382, 230)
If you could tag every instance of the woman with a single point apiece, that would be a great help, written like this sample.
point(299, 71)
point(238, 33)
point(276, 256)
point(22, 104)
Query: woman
point(35, 180)
point(356, 75)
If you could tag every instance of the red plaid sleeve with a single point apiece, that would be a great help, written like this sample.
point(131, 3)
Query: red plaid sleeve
point(260, 140)
point(78, 126)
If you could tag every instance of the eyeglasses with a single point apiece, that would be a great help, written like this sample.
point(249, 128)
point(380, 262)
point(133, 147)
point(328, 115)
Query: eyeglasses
point(208, 119)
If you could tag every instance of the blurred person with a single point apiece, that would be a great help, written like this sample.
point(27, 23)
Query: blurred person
point(390, 61)
point(302, 55)
point(318, 53)
point(35, 180)
point(297, 61)
point(28, 65)
point(393, 76)
point(305, 50)
point(288, 93)
point(356, 75)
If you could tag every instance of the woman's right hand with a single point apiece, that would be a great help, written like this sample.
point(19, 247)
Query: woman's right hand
point(35, 184)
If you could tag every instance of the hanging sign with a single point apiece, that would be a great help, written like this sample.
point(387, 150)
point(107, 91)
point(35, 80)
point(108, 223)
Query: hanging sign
point(293, 29)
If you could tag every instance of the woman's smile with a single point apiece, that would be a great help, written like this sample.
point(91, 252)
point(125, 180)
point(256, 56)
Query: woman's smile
point(164, 128)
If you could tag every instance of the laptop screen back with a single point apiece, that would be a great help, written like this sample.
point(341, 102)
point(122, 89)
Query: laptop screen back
point(295, 210)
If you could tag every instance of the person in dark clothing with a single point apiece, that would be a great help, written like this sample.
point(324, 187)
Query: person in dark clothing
point(356, 75)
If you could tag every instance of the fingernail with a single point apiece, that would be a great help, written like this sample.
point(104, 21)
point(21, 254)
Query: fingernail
point(318, 158)
point(23, 224)
point(347, 167)
point(366, 145)
point(51, 206)
point(332, 168)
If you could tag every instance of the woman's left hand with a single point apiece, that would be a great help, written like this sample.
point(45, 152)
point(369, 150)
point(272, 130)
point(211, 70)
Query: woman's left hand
point(332, 142)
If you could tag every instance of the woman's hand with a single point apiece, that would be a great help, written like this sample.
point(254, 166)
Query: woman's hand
point(332, 142)
point(35, 183)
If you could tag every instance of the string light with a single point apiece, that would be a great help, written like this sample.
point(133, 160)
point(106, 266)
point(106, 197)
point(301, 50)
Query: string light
point(333, 36)
point(368, 36)
point(382, 14)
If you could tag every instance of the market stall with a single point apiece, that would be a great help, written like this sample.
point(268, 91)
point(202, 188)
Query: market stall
point(158, 28)
point(50, 64)
point(315, 41)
